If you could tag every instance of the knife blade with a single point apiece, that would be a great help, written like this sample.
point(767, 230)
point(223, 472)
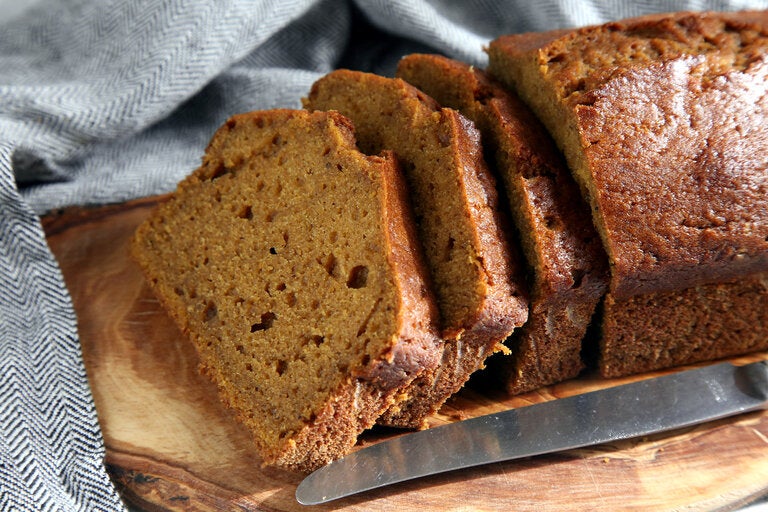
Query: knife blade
point(631, 410)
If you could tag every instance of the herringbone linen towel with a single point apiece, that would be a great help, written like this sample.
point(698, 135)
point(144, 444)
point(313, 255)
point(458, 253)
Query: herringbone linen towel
point(102, 101)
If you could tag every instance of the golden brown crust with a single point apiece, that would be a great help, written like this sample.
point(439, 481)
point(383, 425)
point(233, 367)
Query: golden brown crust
point(261, 226)
point(655, 110)
point(566, 260)
point(674, 102)
point(479, 290)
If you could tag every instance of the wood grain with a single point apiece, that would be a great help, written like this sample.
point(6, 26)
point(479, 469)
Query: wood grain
point(171, 446)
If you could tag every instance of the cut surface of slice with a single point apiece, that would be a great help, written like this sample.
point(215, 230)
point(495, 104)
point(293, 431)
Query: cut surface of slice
point(477, 278)
point(566, 261)
point(290, 259)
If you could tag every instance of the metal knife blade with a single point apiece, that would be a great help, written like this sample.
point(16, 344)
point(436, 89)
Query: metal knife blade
point(641, 408)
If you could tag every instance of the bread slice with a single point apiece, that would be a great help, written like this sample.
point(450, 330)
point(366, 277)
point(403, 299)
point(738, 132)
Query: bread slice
point(662, 122)
point(290, 260)
point(478, 282)
point(566, 260)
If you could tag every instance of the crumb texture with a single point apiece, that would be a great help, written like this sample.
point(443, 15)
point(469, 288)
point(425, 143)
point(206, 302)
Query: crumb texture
point(566, 263)
point(287, 259)
point(478, 281)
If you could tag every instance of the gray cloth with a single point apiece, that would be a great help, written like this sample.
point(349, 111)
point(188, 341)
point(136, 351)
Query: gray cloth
point(102, 101)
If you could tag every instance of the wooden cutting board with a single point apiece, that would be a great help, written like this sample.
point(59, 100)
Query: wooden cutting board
point(170, 445)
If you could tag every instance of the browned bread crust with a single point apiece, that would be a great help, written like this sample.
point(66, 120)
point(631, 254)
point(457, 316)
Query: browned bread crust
point(565, 258)
point(290, 260)
point(662, 121)
point(703, 323)
point(479, 285)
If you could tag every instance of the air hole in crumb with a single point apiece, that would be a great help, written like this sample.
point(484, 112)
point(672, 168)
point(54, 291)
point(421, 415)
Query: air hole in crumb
point(281, 366)
point(314, 304)
point(249, 367)
point(246, 212)
point(267, 319)
point(317, 339)
point(560, 57)
point(329, 264)
point(218, 171)
point(290, 299)
point(210, 312)
point(449, 248)
point(326, 151)
point(277, 140)
point(339, 167)
point(240, 349)
point(178, 291)
point(272, 250)
point(259, 186)
point(366, 359)
point(280, 287)
point(270, 216)
point(358, 277)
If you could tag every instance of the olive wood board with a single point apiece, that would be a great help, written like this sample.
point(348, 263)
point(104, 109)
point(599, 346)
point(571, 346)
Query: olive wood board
point(171, 446)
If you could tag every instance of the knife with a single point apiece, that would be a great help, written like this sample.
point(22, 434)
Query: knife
point(631, 410)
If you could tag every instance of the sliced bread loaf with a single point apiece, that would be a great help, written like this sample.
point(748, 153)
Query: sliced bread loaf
point(478, 281)
point(290, 259)
point(565, 258)
point(662, 122)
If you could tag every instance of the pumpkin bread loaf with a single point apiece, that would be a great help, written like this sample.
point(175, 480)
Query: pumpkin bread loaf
point(566, 261)
point(291, 261)
point(662, 121)
point(478, 280)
